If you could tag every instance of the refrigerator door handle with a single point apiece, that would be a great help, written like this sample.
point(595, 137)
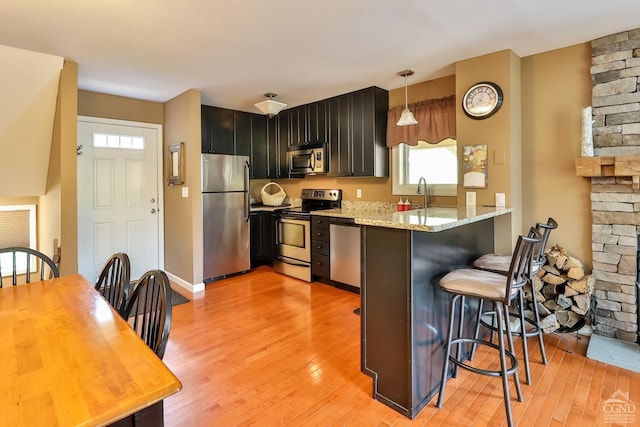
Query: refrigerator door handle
point(246, 192)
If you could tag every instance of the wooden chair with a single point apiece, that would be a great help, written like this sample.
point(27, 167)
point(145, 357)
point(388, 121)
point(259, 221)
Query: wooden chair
point(501, 290)
point(21, 261)
point(113, 282)
point(56, 256)
point(148, 310)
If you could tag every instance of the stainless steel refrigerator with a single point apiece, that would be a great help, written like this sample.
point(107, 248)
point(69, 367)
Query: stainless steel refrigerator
point(225, 216)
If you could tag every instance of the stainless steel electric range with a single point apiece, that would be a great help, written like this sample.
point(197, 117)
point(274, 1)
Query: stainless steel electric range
point(293, 232)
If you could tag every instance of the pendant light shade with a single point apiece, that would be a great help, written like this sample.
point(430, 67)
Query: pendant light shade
point(270, 107)
point(406, 118)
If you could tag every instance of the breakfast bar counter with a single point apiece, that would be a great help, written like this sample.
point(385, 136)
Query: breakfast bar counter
point(403, 311)
point(430, 220)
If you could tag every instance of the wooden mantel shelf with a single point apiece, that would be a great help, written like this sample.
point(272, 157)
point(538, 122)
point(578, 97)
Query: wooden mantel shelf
point(610, 166)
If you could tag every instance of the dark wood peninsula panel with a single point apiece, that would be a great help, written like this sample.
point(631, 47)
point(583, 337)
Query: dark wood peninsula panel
point(404, 312)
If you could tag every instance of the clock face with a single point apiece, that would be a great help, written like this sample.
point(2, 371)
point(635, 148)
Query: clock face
point(482, 100)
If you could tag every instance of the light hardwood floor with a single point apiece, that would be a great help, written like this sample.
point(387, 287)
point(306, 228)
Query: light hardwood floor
point(265, 349)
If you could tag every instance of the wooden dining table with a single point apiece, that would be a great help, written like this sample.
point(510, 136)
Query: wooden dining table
point(68, 359)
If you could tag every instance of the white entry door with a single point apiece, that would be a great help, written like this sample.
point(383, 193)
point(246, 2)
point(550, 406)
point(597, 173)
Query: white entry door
point(119, 194)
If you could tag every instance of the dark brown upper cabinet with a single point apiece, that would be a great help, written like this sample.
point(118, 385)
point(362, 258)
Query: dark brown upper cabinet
point(356, 133)
point(217, 130)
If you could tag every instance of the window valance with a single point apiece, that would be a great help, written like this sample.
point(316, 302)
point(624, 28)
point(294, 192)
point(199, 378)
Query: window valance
point(436, 121)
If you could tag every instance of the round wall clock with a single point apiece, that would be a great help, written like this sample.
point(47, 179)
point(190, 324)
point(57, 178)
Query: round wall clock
point(482, 100)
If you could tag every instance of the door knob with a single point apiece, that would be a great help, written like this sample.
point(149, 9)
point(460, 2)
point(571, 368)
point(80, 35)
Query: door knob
point(153, 210)
point(153, 200)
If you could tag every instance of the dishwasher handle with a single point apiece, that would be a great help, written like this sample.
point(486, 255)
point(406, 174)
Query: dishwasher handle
point(343, 221)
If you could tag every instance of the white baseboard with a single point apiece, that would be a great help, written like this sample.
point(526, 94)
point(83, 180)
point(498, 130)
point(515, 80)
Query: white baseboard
point(199, 287)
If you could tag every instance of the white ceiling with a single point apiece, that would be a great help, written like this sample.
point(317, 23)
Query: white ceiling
point(235, 51)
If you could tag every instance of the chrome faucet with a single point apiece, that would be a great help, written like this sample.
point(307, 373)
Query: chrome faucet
point(426, 194)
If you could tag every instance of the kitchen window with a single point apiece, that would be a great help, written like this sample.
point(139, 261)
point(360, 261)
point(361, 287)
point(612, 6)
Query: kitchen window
point(437, 163)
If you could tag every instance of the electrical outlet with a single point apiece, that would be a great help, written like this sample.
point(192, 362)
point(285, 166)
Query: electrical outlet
point(500, 200)
point(471, 197)
point(358, 193)
point(185, 192)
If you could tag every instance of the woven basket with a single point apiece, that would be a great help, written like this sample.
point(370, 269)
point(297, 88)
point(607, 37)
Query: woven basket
point(274, 199)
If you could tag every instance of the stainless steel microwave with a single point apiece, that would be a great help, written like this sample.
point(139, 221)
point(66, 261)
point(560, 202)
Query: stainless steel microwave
point(307, 161)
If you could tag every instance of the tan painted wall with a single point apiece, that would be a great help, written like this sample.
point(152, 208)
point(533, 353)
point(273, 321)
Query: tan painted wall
point(556, 87)
point(57, 209)
point(183, 216)
point(95, 104)
point(501, 134)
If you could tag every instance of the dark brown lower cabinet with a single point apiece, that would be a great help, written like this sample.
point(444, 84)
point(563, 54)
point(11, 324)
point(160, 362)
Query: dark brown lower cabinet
point(262, 229)
point(404, 314)
point(320, 264)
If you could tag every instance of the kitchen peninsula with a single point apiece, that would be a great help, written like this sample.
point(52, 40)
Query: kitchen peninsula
point(404, 312)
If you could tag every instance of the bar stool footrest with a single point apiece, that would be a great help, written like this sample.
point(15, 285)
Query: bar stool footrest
point(511, 370)
point(529, 334)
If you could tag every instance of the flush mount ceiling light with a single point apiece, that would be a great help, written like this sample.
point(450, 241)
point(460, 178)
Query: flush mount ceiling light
point(407, 116)
point(270, 107)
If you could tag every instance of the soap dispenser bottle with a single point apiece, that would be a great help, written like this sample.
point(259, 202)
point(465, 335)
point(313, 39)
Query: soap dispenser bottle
point(400, 205)
point(406, 205)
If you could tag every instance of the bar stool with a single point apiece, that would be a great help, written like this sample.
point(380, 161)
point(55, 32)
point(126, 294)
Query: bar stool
point(501, 290)
point(500, 264)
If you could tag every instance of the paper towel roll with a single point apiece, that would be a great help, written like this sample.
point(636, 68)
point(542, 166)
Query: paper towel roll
point(587, 133)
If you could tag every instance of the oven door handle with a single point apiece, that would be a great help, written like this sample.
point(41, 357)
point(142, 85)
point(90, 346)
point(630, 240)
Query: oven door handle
point(288, 261)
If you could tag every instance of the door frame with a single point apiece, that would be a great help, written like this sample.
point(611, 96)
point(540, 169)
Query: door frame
point(160, 170)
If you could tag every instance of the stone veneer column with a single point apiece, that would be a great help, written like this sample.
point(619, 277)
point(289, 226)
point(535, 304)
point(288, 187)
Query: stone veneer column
point(616, 220)
point(615, 206)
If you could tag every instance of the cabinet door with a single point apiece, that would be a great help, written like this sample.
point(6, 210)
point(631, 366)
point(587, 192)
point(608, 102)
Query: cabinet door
point(221, 131)
point(205, 127)
point(345, 137)
point(276, 154)
point(363, 122)
point(316, 122)
point(296, 127)
point(259, 149)
point(262, 232)
point(242, 133)
point(333, 136)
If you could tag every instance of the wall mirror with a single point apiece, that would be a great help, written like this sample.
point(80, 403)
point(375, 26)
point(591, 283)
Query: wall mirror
point(176, 164)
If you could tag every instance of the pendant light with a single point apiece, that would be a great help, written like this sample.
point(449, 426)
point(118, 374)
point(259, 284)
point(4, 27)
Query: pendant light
point(406, 118)
point(270, 107)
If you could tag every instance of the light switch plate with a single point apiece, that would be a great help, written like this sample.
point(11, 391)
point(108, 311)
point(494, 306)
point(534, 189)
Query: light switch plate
point(499, 157)
point(359, 193)
point(471, 197)
point(500, 200)
point(185, 191)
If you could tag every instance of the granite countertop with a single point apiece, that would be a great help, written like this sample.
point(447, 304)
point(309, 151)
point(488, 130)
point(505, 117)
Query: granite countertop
point(257, 206)
point(432, 219)
point(265, 208)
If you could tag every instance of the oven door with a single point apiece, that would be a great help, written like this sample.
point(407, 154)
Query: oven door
point(293, 248)
point(293, 239)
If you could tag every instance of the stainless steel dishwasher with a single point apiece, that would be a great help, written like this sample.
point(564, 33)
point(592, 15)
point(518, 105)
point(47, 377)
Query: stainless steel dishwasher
point(344, 237)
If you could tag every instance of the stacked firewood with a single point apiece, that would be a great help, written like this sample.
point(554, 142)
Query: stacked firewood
point(563, 291)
